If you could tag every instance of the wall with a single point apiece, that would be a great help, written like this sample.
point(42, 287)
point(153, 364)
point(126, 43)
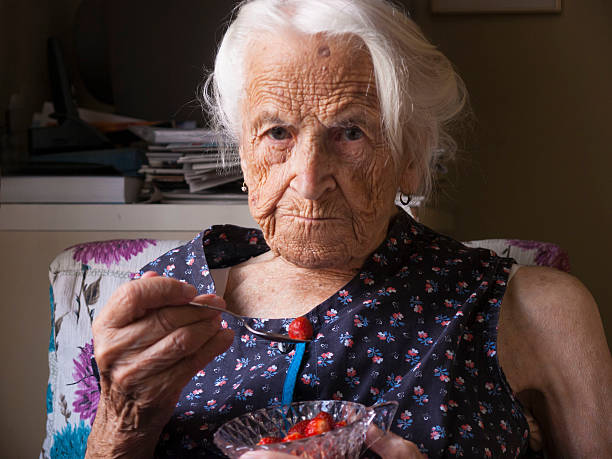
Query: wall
point(538, 160)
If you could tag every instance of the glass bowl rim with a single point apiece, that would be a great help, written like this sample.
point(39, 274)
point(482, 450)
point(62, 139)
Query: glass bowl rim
point(361, 407)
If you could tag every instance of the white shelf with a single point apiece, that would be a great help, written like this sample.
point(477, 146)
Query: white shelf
point(122, 217)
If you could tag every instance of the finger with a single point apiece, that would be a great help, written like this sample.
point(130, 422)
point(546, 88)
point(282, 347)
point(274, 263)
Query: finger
point(149, 274)
point(184, 370)
point(391, 446)
point(160, 391)
point(166, 320)
point(173, 347)
point(155, 386)
point(211, 299)
point(211, 349)
point(111, 343)
point(133, 299)
point(130, 368)
point(163, 321)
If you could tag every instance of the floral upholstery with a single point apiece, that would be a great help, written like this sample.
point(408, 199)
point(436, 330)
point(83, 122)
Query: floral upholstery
point(529, 253)
point(82, 279)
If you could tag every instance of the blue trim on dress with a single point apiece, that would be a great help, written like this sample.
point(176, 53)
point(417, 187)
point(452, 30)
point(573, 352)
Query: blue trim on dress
point(292, 373)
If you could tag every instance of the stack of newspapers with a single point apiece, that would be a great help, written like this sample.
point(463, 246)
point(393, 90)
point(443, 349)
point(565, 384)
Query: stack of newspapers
point(185, 165)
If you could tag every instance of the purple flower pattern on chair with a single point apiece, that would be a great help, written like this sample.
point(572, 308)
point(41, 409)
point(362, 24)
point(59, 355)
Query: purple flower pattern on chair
point(547, 254)
point(87, 395)
point(110, 252)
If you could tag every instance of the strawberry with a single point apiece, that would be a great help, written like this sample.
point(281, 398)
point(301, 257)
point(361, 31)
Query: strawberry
point(339, 424)
point(269, 440)
point(326, 416)
point(292, 436)
point(300, 328)
point(299, 427)
point(318, 425)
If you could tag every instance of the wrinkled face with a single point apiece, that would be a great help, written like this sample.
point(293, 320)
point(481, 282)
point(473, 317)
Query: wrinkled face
point(321, 181)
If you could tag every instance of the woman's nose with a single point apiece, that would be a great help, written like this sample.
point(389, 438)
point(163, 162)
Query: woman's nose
point(313, 170)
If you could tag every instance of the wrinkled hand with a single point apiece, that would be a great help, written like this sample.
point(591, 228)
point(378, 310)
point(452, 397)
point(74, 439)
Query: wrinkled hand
point(387, 446)
point(391, 446)
point(148, 344)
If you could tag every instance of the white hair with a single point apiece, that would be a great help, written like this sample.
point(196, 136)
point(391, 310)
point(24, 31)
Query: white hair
point(418, 90)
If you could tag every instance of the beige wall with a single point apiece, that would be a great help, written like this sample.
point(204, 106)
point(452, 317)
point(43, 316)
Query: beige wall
point(539, 160)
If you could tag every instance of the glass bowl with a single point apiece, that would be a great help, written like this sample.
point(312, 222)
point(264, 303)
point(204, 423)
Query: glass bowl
point(241, 434)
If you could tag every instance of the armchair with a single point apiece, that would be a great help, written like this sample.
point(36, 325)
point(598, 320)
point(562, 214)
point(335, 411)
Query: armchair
point(83, 277)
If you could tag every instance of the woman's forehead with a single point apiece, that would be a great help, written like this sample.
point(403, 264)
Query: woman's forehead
point(298, 73)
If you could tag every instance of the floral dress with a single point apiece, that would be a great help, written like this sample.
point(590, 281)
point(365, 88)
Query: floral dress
point(417, 324)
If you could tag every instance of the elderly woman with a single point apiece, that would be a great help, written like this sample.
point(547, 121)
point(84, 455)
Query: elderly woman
point(336, 105)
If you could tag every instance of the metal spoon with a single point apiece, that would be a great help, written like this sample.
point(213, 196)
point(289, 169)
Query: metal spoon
point(243, 320)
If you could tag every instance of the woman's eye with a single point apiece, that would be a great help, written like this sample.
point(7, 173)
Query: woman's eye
point(278, 133)
point(353, 133)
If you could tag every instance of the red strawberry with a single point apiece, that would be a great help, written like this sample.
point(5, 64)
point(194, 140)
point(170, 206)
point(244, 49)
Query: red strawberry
point(299, 427)
point(318, 425)
point(269, 440)
point(339, 424)
point(326, 416)
point(292, 436)
point(300, 328)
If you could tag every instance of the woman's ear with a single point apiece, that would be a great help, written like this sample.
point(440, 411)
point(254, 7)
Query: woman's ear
point(410, 177)
point(242, 163)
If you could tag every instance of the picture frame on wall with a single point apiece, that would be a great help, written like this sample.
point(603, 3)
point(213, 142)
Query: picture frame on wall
point(495, 6)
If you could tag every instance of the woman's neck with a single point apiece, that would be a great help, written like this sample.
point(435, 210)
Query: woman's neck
point(267, 286)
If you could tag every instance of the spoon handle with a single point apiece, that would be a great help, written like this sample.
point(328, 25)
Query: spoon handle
point(215, 308)
point(243, 320)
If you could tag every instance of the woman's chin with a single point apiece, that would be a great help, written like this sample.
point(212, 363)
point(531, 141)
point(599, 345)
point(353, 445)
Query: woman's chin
point(311, 255)
point(317, 243)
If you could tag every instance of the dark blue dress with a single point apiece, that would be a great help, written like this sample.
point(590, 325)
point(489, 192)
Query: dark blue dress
point(418, 324)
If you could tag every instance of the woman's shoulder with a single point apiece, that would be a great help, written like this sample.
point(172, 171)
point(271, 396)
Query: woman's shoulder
point(543, 312)
point(551, 343)
point(546, 299)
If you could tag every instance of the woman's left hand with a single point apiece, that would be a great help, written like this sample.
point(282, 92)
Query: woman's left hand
point(391, 446)
point(388, 446)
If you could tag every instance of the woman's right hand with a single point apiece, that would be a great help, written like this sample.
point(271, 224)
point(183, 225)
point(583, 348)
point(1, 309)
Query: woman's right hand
point(148, 344)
